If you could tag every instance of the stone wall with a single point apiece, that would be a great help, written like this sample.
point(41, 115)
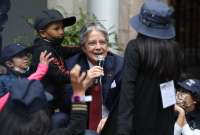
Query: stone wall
point(127, 9)
point(17, 29)
point(68, 7)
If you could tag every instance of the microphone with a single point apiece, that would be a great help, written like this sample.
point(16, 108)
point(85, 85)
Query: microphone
point(100, 62)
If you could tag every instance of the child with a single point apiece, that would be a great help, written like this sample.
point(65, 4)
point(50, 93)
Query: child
point(188, 99)
point(50, 29)
point(24, 111)
point(15, 58)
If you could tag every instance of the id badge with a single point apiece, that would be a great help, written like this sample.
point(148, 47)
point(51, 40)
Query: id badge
point(168, 94)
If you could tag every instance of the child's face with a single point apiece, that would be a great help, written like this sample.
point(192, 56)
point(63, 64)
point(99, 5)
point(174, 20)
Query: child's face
point(53, 31)
point(185, 101)
point(20, 62)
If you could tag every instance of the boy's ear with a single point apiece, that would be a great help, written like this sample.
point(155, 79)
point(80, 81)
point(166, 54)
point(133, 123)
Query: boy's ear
point(42, 33)
point(9, 64)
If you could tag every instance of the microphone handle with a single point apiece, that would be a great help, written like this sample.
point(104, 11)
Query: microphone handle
point(98, 80)
point(100, 62)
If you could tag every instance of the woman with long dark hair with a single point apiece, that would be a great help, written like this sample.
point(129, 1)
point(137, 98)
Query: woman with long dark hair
point(152, 61)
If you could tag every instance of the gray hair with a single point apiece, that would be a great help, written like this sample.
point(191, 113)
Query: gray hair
point(85, 30)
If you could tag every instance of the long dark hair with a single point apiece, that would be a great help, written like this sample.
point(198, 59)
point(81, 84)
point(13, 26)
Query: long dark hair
point(162, 56)
point(15, 119)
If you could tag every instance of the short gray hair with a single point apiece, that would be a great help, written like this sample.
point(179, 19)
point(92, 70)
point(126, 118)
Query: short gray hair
point(89, 27)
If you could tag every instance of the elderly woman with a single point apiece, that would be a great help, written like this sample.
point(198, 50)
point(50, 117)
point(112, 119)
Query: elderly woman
point(94, 43)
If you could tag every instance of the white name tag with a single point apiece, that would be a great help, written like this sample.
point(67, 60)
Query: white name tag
point(168, 94)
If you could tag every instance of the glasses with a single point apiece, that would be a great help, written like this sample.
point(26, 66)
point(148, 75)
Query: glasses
point(95, 43)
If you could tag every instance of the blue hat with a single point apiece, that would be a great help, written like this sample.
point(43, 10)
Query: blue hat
point(191, 85)
point(12, 50)
point(30, 92)
point(52, 15)
point(154, 20)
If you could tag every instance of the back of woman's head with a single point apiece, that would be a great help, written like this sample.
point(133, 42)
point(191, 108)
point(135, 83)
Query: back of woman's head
point(160, 56)
point(16, 119)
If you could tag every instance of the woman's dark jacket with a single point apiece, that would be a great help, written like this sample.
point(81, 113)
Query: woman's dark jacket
point(144, 115)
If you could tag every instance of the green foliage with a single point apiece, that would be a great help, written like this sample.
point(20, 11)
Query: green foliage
point(72, 33)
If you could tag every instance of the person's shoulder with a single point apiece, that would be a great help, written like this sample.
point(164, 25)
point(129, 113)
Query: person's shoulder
point(115, 60)
point(70, 62)
point(114, 56)
point(4, 77)
point(74, 58)
point(40, 44)
point(132, 43)
point(132, 47)
point(5, 81)
point(7, 76)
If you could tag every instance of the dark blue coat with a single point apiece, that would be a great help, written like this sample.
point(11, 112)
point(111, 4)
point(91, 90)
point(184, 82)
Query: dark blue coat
point(112, 75)
point(6, 81)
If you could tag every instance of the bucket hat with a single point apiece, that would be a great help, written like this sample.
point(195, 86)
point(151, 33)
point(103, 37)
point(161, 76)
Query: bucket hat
point(51, 15)
point(154, 20)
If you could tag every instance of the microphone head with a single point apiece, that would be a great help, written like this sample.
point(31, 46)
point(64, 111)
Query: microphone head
point(100, 60)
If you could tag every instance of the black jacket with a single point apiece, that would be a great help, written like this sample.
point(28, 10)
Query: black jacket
point(57, 76)
point(193, 119)
point(140, 110)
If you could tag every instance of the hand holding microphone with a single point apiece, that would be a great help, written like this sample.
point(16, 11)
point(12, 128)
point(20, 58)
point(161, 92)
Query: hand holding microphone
point(100, 62)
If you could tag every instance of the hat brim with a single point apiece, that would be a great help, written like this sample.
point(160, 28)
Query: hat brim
point(69, 21)
point(27, 50)
point(152, 32)
point(186, 87)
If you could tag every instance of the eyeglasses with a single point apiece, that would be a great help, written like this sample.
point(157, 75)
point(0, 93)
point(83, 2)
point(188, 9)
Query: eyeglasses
point(95, 42)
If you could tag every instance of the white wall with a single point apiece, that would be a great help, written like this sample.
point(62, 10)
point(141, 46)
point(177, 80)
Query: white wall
point(107, 12)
